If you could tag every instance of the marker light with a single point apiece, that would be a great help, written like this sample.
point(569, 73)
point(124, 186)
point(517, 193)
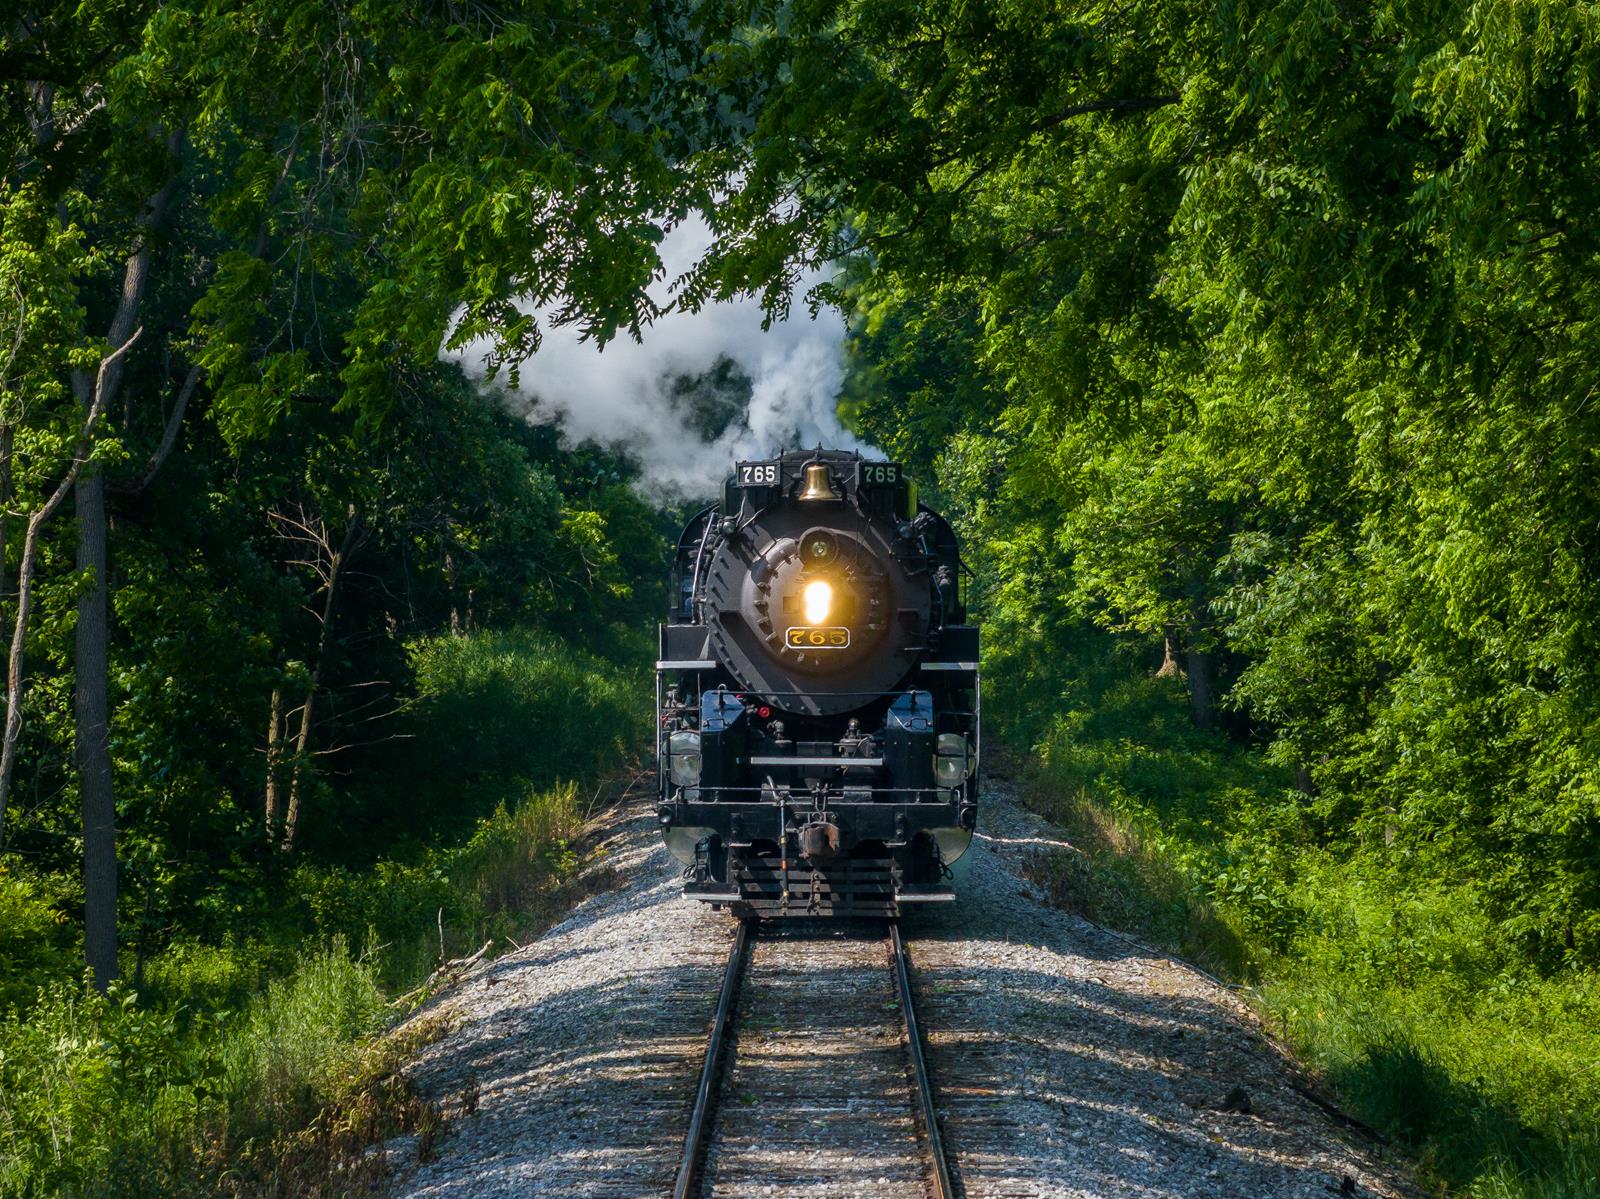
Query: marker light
point(952, 760)
point(818, 599)
point(683, 757)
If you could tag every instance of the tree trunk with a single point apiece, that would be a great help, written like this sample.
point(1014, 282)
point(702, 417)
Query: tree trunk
point(30, 554)
point(302, 749)
point(1202, 686)
point(302, 746)
point(274, 767)
point(1169, 668)
point(93, 742)
point(92, 667)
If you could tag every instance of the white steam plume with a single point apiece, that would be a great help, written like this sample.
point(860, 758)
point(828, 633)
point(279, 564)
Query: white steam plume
point(630, 394)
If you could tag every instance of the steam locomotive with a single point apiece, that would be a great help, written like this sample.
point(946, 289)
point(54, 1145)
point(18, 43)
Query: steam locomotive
point(817, 694)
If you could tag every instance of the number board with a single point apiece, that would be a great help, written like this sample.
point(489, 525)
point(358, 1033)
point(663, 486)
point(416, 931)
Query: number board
point(826, 637)
point(877, 474)
point(758, 474)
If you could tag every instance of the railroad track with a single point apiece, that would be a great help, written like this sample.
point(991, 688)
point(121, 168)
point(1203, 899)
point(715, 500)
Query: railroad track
point(814, 1081)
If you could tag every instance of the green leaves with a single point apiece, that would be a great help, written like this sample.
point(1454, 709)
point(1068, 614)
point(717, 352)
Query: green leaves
point(1278, 313)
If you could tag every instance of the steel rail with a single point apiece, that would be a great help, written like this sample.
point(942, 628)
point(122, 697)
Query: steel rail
point(721, 1026)
point(943, 1188)
point(692, 1162)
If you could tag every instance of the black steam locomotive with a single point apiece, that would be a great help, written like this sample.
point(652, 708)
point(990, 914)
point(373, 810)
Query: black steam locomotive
point(817, 694)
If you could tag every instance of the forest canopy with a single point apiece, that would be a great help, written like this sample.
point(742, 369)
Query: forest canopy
point(1248, 343)
point(1261, 330)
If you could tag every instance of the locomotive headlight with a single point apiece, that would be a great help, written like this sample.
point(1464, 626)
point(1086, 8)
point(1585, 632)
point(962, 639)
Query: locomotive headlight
point(683, 757)
point(818, 601)
point(952, 760)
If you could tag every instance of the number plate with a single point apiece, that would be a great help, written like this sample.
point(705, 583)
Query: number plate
point(826, 637)
point(877, 474)
point(758, 474)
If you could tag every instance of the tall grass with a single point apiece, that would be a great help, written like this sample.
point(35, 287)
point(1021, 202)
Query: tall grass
point(1404, 995)
point(102, 1097)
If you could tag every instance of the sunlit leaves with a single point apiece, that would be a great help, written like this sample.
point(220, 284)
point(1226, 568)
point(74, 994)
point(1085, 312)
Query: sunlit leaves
point(1292, 364)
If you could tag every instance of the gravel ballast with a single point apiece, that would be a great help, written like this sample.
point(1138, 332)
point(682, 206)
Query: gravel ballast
point(1067, 1061)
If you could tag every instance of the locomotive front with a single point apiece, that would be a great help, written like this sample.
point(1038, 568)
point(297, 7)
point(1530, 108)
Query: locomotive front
point(817, 694)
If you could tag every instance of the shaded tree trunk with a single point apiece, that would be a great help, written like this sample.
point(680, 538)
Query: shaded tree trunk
point(91, 669)
point(1169, 668)
point(1201, 654)
point(93, 744)
point(1202, 686)
point(298, 772)
point(274, 799)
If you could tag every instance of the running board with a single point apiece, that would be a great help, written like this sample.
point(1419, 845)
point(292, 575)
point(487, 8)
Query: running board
point(706, 895)
point(941, 896)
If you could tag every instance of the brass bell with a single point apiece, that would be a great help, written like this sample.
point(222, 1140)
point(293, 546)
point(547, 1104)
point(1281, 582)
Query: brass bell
point(817, 486)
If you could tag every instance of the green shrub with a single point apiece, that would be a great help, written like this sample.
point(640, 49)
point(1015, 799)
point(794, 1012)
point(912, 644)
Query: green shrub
point(37, 938)
point(195, 977)
point(102, 1097)
point(97, 1097)
point(1400, 986)
point(523, 705)
point(282, 1061)
point(514, 852)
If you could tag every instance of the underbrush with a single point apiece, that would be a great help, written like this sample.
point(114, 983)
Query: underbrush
point(495, 715)
point(523, 705)
point(265, 1059)
point(102, 1096)
point(36, 936)
point(186, 1090)
point(511, 875)
point(1403, 994)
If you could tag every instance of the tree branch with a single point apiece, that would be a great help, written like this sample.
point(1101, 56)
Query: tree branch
point(169, 435)
point(1120, 106)
point(1126, 104)
point(30, 545)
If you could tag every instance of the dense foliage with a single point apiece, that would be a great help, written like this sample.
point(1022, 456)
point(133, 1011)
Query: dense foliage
point(307, 630)
point(1251, 340)
point(1280, 315)
point(1253, 336)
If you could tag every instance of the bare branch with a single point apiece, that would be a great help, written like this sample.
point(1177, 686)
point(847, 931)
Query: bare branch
point(169, 435)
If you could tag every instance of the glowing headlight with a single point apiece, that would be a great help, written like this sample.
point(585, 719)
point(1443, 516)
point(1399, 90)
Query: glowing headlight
point(952, 760)
point(818, 599)
point(683, 757)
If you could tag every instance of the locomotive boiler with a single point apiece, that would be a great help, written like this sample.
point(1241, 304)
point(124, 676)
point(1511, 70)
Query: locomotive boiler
point(817, 694)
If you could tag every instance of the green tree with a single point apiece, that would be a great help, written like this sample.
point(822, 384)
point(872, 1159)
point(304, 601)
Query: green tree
point(297, 204)
point(1286, 305)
